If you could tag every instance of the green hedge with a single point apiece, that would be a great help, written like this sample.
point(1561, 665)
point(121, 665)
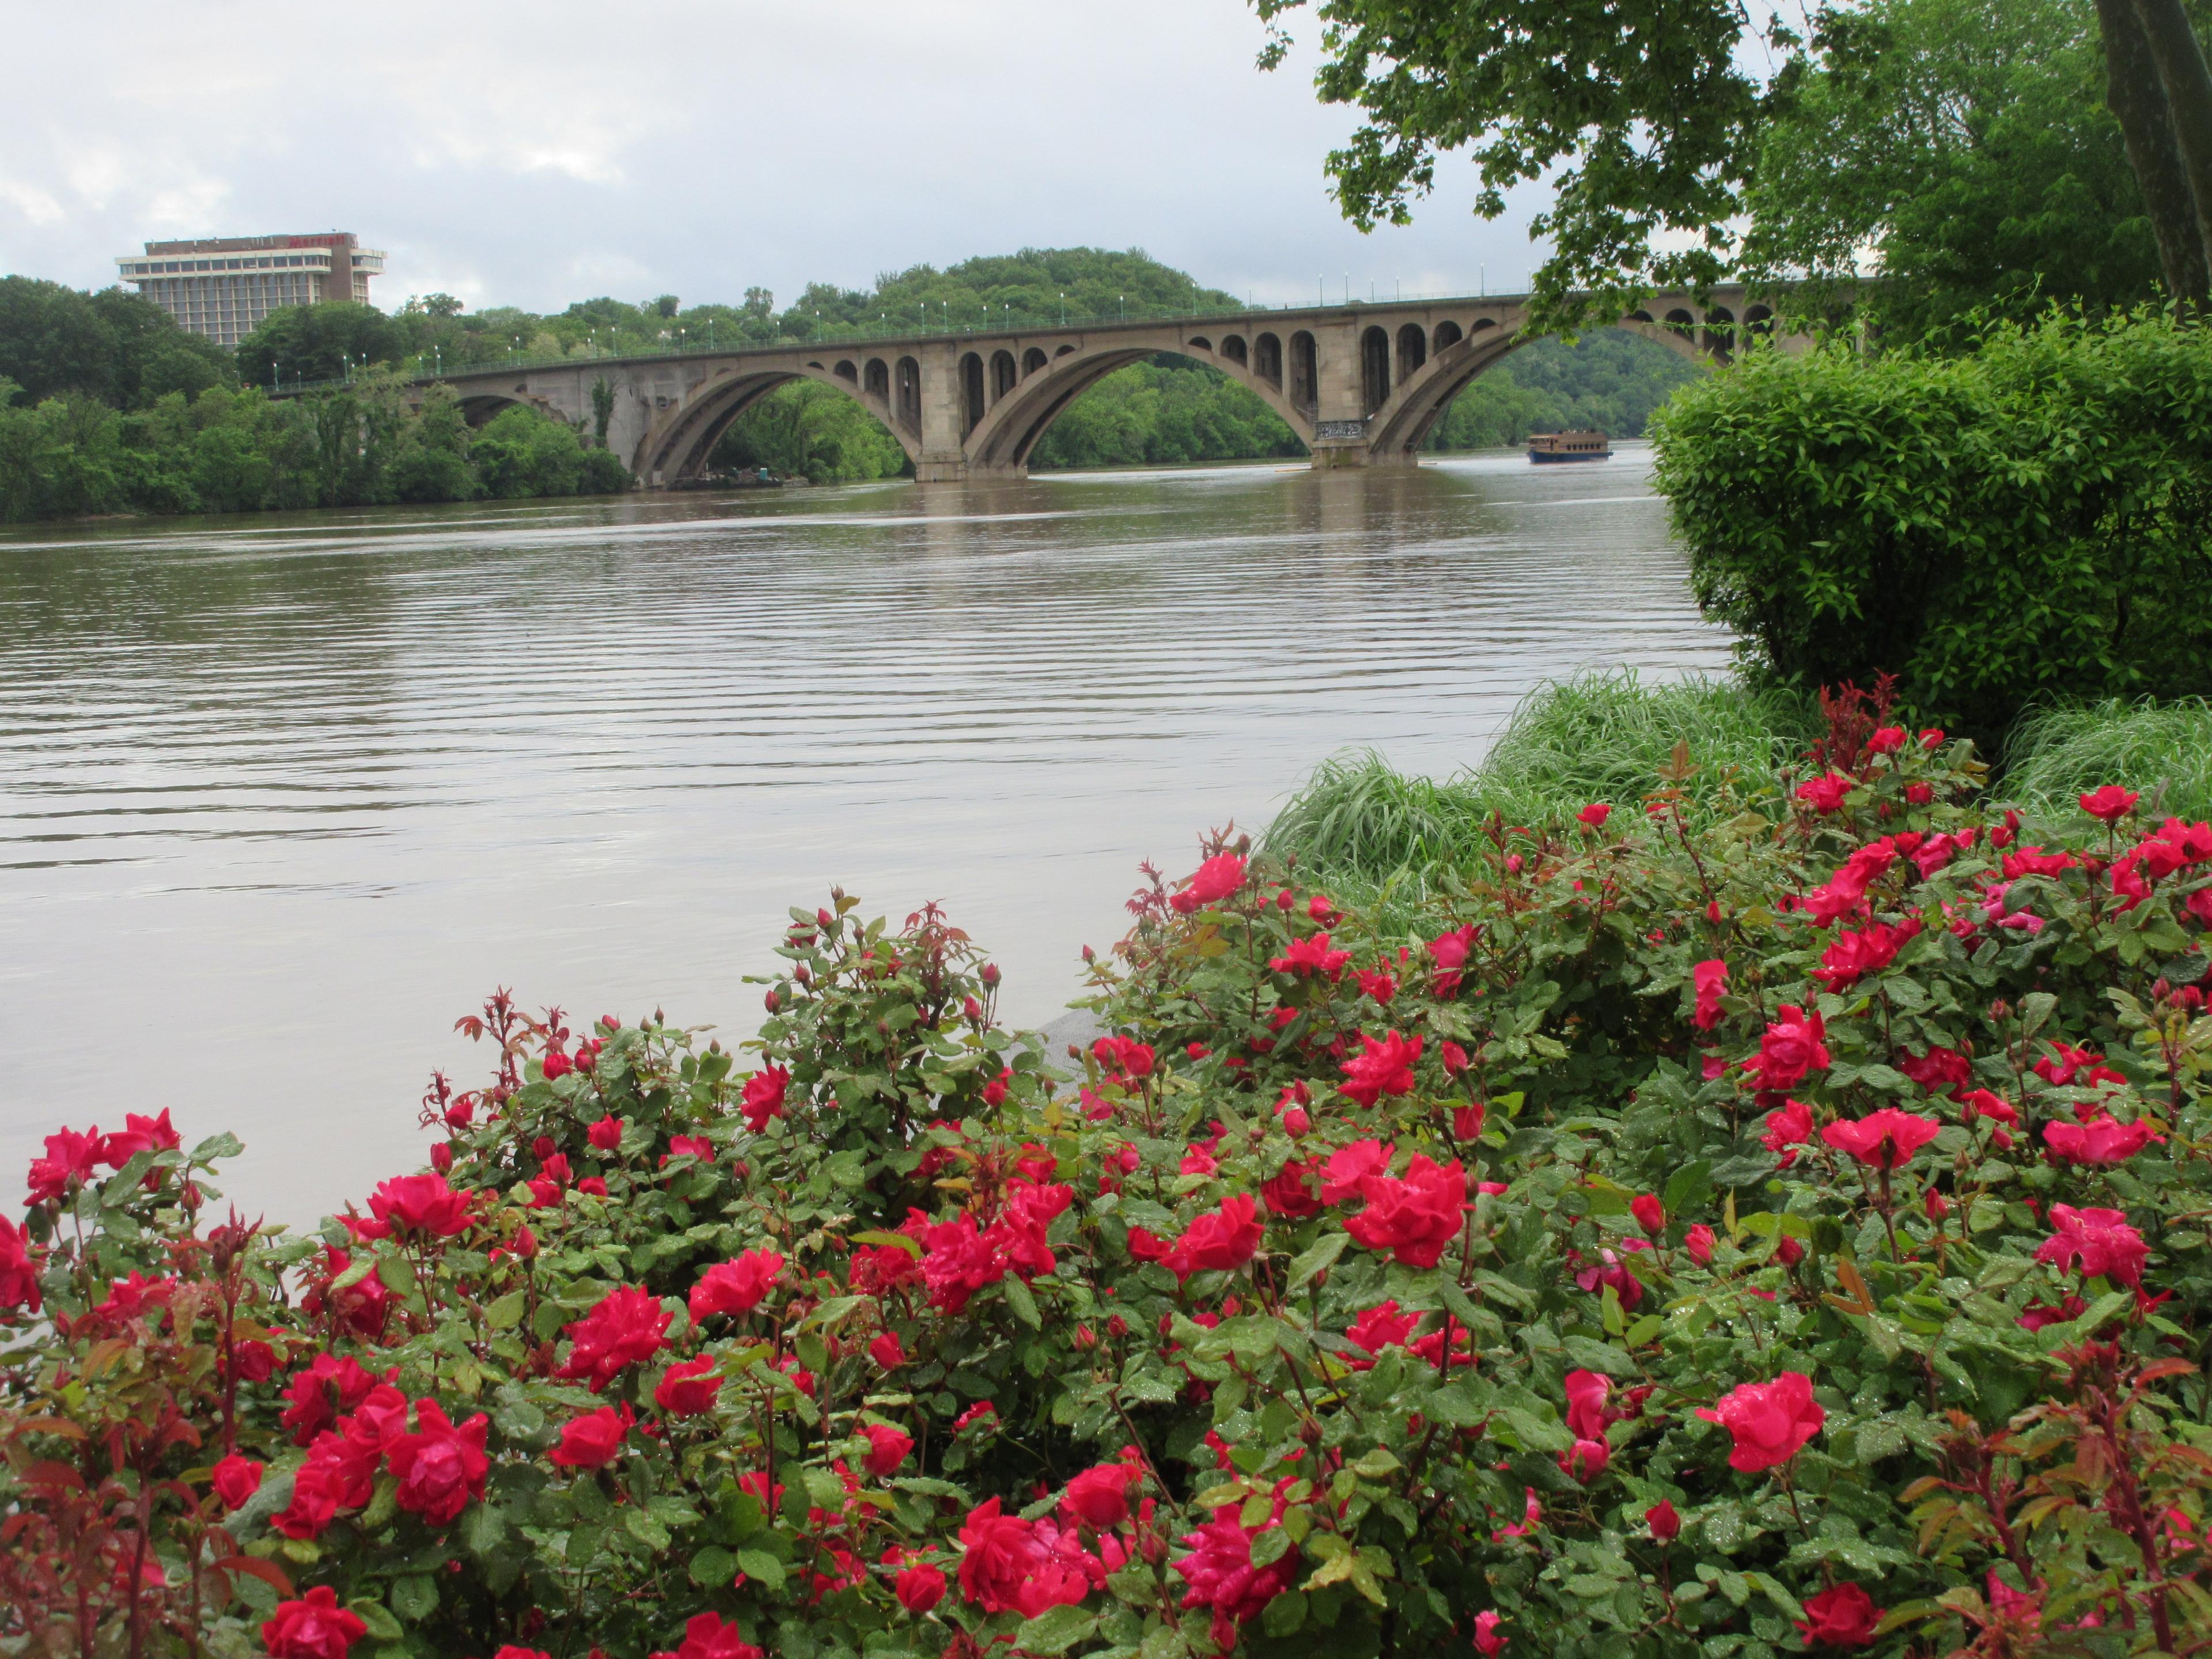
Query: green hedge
point(2024, 524)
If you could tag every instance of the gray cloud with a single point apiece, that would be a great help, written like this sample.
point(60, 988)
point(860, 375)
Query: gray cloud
point(537, 155)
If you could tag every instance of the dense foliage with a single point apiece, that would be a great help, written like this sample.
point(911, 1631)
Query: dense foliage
point(1965, 145)
point(1784, 1233)
point(111, 346)
point(1973, 146)
point(239, 452)
point(2028, 523)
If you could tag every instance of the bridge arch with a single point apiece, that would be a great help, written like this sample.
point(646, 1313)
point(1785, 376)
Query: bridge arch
point(678, 444)
point(1374, 370)
point(1396, 431)
point(478, 407)
point(1003, 442)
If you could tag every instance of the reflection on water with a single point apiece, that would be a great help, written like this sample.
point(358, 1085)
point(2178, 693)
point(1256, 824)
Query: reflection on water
point(279, 798)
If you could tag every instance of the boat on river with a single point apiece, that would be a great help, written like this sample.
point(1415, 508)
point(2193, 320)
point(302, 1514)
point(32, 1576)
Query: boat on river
point(1570, 446)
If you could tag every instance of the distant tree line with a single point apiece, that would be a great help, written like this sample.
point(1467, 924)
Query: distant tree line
point(108, 406)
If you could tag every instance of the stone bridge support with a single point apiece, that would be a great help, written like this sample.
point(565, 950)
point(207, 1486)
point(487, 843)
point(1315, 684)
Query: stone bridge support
point(1360, 385)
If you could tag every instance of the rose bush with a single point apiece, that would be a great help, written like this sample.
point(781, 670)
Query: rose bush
point(1787, 1234)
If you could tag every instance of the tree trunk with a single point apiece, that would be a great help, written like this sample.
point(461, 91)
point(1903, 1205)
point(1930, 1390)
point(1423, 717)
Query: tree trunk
point(2188, 84)
point(2138, 98)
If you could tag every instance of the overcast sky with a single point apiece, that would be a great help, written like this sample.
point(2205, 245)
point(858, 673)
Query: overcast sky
point(541, 154)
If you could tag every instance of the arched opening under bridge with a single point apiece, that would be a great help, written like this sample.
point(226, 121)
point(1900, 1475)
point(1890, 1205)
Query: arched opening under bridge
point(1137, 403)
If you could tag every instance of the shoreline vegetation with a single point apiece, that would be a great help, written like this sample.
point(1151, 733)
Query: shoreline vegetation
point(1384, 1270)
point(107, 407)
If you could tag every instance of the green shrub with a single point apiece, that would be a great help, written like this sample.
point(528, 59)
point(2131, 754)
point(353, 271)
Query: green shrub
point(2022, 524)
point(2163, 751)
point(1783, 1235)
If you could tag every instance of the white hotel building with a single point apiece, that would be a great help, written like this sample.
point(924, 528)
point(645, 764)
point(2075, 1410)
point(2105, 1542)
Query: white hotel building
point(223, 286)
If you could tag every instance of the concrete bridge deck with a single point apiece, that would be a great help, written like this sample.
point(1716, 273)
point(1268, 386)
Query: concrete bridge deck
point(1360, 384)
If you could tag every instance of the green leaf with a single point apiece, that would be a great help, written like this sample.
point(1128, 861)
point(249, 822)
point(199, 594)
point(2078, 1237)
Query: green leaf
point(713, 1568)
point(223, 1145)
point(647, 1531)
point(482, 1528)
point(381, 1624)
point(1318, 1257)
point(761, 1567)
point(1023, 1304)
point(506, 1313)
point(415, 1597)
point(1056, 1630)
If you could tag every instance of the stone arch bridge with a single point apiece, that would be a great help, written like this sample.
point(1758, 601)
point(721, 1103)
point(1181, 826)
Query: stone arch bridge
point(1360, 385)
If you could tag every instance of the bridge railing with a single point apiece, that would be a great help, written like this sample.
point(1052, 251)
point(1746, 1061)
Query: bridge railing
point(425, 366)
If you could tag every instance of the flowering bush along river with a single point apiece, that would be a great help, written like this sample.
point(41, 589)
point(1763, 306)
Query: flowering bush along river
point(1784, 1233)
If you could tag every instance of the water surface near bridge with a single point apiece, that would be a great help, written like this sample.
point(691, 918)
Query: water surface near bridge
point(281, 798)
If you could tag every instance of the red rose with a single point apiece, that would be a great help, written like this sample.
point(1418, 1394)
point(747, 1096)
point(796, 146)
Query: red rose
point(1886, 1139)
point(2101, 1143)
point(918, 1587)
point(763, 1095)
point(1449, 952)
point(313, 1627)
point(2099, 1242)
point(1825, 792)
point(1309, 955)
point(1100, 1496)
point(1650, 1214)
point(1586, 1459)
point(736, 1287)
point(236, 1479)
point(1222, 1240)
point(440, 1467)
point(1666, 1525)
point(1709, 978)
point(421, 1203)
point(2109, 803)
point(626, 1328)
point(1586, 1393)
point(1415, 1217)
point(1006, 1566)
point(1791, 1047)
point(1769, 1422)
point(688, 1388)
point(1348, 1168)
point(1289, 1193)
point(606, 1134)
point(1698, 1241)
point(1487, 1642)
point(1221, 1575)
point(707, 1636)
point(1788, 1127)
point(592, 1441)
point(70, 1157)
point(887, 1449)
point(19, 1279)
point(1383, 1067)
point(1213, 881)
point(886, 1352)
point(1595, 815)
point(1844, 1617)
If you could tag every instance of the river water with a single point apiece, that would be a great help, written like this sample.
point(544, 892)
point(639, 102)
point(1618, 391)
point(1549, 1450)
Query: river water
point(281, 798)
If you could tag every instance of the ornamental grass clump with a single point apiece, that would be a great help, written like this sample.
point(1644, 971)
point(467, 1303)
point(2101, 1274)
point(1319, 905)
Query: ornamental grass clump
point(1781, 1232)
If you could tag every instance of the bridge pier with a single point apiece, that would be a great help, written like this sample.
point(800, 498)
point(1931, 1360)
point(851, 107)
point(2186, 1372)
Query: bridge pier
point(1359, 384)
